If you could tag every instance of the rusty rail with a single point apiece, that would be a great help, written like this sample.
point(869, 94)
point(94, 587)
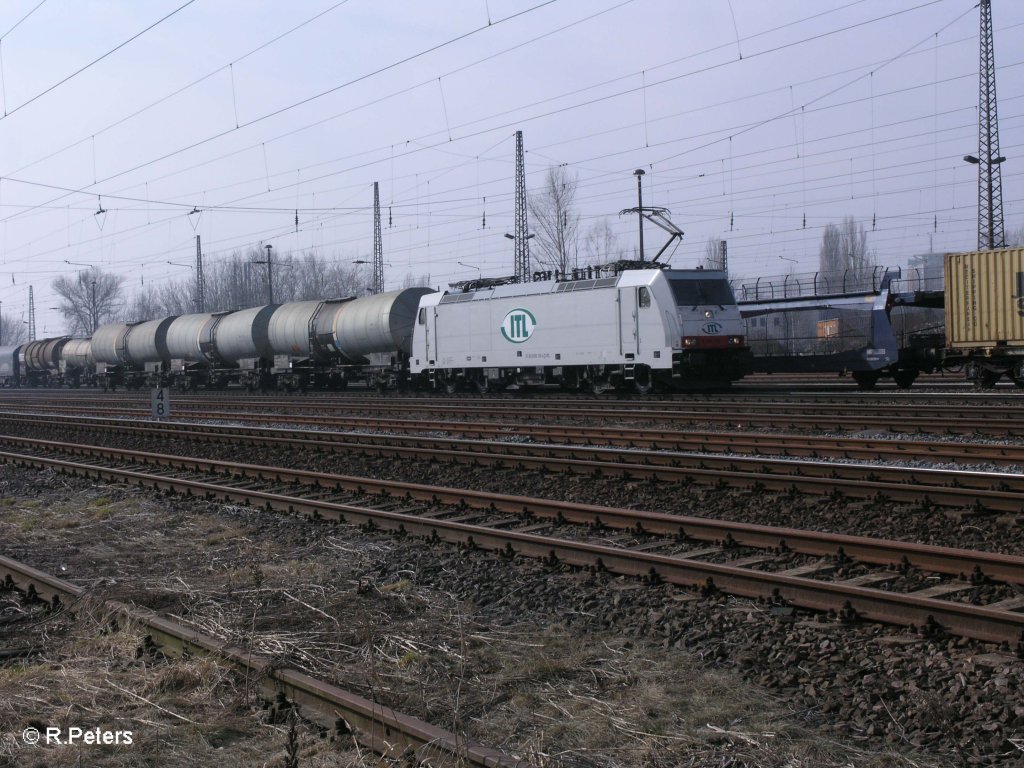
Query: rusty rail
point(377, 727)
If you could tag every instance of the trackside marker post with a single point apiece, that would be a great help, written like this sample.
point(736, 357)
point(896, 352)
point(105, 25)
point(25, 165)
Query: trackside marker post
point(161, 402)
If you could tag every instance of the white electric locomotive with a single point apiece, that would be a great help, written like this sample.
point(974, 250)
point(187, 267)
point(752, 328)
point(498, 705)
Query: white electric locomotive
point(634, 329)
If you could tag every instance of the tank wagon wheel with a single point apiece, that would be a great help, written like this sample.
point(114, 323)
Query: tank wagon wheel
point(865, 379)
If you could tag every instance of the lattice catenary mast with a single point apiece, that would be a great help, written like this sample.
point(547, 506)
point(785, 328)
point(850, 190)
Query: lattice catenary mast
point(990, 179)
point(200, 279)
point(521, 236)
point(378, 244)
point(31, 315)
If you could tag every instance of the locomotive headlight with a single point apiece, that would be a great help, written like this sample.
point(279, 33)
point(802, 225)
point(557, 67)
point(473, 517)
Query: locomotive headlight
point(689, 341)
point(708, 314)
point(736, 341)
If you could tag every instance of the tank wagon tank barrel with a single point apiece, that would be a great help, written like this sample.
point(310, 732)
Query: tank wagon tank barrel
point(146, 343)
point(189, 337)
point(243, 334)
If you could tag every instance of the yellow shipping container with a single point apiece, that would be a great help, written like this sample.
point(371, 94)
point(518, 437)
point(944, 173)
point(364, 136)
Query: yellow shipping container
point(985, 301)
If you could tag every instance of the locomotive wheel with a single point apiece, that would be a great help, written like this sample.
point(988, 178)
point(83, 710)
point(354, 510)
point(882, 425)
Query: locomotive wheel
point(642, 384)
point(451, 386)
point(483, 385)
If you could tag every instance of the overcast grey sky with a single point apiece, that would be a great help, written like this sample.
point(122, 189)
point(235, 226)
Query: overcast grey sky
point(748, 117)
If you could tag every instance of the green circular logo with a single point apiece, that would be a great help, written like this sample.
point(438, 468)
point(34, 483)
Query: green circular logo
point(518, 325)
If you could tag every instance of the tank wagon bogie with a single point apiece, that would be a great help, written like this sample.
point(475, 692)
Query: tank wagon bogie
point(638, 330)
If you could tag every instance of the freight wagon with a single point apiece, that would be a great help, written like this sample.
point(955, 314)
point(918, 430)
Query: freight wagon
point(985, 314)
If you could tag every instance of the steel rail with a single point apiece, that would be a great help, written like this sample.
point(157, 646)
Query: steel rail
point(989, 624)
point(613, 434)
point(663, 411)
point(787, 445)
point(377, 727)
point(934, 403)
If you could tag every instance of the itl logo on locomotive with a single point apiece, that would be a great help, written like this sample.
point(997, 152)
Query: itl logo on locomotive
point(518, 325)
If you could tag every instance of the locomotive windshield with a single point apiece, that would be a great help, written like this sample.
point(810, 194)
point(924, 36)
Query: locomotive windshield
point(694, 292)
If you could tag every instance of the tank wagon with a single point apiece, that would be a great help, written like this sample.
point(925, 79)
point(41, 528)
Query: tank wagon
point(615, 328)
point(77, 366)
point(296, 345)
point(43, 363)
point(985, 314)
point(191, 360)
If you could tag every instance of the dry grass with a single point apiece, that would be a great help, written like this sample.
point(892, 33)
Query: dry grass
point(181, 712)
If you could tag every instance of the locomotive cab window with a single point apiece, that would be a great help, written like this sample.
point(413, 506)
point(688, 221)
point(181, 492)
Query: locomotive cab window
point(423, 316)
point(643, 297)
point(696, 292)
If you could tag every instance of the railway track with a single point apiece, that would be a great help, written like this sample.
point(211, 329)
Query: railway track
point(779, 444)
point(512, 525)
point(378, 728)
point(958, 488)
point(636, 409)
point(614, 433)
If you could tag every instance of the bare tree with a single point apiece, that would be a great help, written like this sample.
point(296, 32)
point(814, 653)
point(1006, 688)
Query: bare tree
point(144, 305)
point(1015, 237)
point(555, 220)
point(12, 331)
point(241, 281)
point(89, 299)
point(844, 261)
point(415, 281)
point(713, 254)
point(601, 244)
point(312, 276)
